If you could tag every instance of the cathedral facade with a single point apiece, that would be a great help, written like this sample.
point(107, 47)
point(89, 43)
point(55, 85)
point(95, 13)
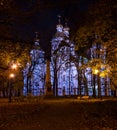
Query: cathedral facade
point(63, 70)
point(67, 77)
point(34, 72)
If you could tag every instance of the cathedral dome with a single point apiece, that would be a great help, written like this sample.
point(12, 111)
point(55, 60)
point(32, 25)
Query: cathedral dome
point(59, 28)
point(66, 31)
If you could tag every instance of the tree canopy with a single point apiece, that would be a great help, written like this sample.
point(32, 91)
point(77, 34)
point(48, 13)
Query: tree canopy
point(101, 22)
point(11, 52)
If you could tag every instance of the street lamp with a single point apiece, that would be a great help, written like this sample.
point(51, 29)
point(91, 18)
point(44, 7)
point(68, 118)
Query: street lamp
point(101, 71)
point(11, 76)
point(96, 72)
point(13, 67)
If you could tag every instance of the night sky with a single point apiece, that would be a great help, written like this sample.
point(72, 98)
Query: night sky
point(43, 18)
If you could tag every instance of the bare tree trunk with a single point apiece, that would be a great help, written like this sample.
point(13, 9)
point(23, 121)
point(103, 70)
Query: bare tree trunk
point(79, 84)
point(99, 87)
point(85, 84)
point(105, 85)
point(56, 85)
point(94, 91)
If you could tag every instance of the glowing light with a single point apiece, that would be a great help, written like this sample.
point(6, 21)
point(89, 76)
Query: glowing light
point(95, 71)
point(102, 66)
point(14, 66)
point(11, 75)
point(102, 74)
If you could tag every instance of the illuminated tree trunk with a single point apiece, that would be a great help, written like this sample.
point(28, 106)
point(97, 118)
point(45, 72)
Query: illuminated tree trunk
point(79, 83)
point(29, 76)
point(54, 79)
point(10, 90)
point(28, 83)
point(105, 85)
point(70, 79)
point(86, 89)
point(85, 85)
point(99, 87)
point(27, 90)
point(55, 83)
point(94, 91)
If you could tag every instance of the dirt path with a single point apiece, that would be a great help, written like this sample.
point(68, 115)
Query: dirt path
point(59, 115)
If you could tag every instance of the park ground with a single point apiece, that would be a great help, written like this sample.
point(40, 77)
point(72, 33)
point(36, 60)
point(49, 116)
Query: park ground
point(59, 114)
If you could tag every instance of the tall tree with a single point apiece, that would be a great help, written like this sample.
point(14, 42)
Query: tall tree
point(101, 21)
point(58, 59)
point(11, 53)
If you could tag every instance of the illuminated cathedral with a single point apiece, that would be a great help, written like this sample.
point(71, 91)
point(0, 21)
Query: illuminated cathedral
point(34, 73)
point(63, 73)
